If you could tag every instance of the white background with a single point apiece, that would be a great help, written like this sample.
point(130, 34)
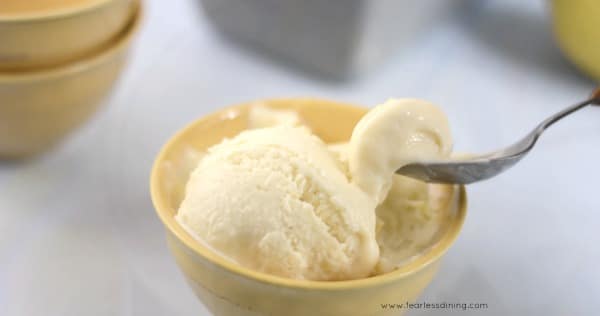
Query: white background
point(78, 234)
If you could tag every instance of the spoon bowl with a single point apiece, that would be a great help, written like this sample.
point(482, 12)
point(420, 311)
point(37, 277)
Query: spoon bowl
point(478, 168)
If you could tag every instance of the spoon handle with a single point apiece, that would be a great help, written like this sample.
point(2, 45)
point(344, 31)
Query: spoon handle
point(528, 142)
point(556, 117)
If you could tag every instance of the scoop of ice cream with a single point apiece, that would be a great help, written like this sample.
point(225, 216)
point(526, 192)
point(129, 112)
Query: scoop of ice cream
point(411, 218)
point(394, 134)
point(276, 200)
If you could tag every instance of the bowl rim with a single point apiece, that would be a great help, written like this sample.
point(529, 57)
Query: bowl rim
point(115, 46)
point(57, 13)
point(172, 226)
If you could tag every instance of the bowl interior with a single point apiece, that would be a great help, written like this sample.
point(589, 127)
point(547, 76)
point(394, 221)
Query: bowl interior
point(331, 121)
point(107, 51)
point(35, 9)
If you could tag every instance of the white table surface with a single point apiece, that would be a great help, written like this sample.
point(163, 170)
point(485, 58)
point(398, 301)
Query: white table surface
point(78, 234)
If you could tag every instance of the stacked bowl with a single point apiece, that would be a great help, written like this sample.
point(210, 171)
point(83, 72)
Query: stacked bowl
point(58, 59)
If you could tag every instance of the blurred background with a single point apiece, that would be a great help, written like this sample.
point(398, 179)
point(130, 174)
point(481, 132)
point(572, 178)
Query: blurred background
point(78, 233)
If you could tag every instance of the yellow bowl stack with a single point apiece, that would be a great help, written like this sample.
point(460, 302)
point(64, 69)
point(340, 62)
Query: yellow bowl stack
point(228, 289)
point(58, 59)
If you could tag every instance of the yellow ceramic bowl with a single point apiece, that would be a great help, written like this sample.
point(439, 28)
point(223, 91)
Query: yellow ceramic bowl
point(577, 29)
point(38, 108)
point(40, 33)
point(229, 289)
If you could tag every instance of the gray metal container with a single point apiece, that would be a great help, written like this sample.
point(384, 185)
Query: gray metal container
point(337, 38)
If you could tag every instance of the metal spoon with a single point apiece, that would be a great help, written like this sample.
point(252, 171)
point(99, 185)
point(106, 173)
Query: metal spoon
point(483, 167)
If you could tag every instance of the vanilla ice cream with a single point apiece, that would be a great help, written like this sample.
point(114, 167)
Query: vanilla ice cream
point(410, 220)
point(278, 200)
point(260, 116)
point(275, 200)
point(392, 135)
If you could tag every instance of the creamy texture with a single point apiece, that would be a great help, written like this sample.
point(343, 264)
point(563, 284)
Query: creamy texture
point(275, 200)
point(278, 200)
point(409, 221)
point(392, 135)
